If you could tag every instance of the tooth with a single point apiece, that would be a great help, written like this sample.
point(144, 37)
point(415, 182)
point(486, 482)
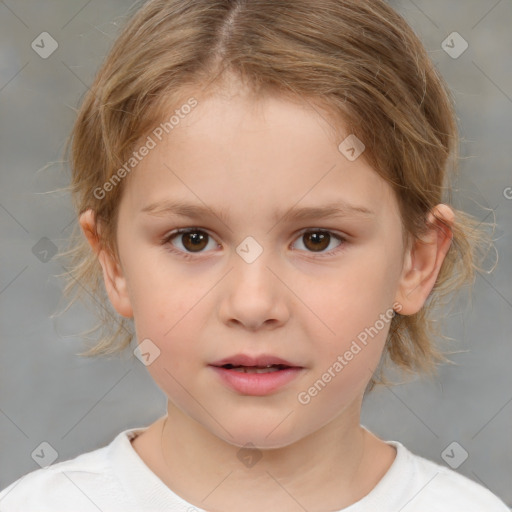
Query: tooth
point(244, 369)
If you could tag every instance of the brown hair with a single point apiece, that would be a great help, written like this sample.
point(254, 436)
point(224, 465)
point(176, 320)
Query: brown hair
point(356, 60)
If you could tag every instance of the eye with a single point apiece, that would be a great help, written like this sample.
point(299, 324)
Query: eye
point(318, 240)
point(193, 240)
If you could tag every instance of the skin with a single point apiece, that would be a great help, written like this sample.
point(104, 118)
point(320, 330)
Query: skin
point(255, 158)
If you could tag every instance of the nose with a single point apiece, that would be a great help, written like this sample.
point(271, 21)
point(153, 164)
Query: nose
point(253, 296)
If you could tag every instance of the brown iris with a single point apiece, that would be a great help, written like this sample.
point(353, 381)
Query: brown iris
point(319, 240)
point(194, 241)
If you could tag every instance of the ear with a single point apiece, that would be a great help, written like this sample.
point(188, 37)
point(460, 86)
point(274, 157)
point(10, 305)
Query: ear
point(423, 261)
point(115, 282)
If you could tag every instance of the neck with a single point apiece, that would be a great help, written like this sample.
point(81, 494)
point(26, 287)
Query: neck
point(329, 469)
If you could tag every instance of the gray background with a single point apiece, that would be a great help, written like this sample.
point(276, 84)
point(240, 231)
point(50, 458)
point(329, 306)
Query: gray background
point(76, 404)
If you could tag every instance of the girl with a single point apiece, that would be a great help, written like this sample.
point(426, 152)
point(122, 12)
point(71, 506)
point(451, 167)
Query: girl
point(262, 188)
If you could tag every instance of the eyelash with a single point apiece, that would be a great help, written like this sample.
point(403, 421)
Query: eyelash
point(189, 255)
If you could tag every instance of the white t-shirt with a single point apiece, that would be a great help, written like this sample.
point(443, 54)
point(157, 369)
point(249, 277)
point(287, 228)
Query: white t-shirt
point(115, 479)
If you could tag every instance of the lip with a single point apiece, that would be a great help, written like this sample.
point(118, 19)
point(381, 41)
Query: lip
point(247, 360)
point(256, 384)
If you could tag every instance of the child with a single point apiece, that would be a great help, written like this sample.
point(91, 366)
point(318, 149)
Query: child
point(260, 184)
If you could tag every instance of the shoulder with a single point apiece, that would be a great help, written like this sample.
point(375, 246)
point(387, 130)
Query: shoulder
point(440, 489)
point(64, 484)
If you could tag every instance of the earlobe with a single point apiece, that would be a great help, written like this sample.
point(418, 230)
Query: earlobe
point(113, 276)
point(423, 261)
point(115, 284)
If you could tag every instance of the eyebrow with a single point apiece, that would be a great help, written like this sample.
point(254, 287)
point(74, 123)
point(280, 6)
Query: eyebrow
point(198, 211)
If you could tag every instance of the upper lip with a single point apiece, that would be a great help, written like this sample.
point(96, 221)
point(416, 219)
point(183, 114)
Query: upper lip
point(247, 360)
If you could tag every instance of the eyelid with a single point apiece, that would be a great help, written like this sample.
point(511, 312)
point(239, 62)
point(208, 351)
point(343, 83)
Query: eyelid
point(166, 239)
point(343, 239)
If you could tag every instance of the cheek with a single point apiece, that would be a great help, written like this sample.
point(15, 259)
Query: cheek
point(355, 310)
point(175, 330)
point(171, 311)
point(343, 367)
point(161, 303)
point(354, 298)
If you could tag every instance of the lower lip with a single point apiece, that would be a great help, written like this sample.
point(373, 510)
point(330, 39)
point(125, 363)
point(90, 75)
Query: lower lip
point(257, 384)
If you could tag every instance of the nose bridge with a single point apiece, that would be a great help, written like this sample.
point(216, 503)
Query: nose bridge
point(253, 295)
point(252, 261)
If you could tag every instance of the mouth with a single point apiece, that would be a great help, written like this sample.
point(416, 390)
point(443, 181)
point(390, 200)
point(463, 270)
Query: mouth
point(256, 369)
point(256, 376)
point(264, 362)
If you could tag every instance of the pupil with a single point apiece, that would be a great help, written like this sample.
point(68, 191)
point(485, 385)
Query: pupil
point(195, 238)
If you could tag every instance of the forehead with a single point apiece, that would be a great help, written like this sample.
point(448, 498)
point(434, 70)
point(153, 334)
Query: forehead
point(234, 149)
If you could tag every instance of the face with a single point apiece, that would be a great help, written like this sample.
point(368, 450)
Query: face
point(262, 272)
